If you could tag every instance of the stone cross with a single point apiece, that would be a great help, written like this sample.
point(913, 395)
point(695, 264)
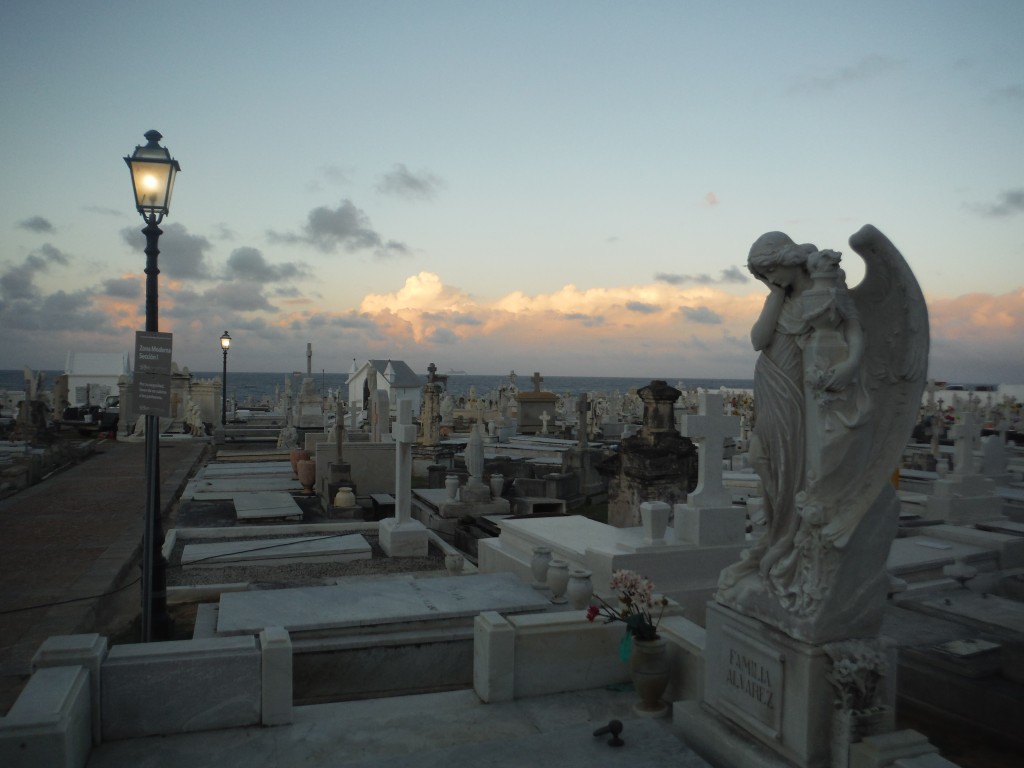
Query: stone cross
point(545, 418)
point(405, 436)
point(537, 379)
point(431, 373)
point(709, 429)
point(966, 435)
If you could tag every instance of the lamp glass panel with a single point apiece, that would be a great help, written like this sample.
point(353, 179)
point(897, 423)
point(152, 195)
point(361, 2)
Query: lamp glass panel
point(153, 183)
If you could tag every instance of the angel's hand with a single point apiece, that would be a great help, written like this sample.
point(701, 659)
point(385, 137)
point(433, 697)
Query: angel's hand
point(840, 377)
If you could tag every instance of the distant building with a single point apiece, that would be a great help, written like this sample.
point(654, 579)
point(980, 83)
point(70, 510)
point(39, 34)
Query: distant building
point(92, 376)
point(394, 376)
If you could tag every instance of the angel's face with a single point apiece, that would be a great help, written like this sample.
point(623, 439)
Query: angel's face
point(780, 275)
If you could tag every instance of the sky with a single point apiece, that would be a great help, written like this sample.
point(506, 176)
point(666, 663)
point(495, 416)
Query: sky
point(569, 187)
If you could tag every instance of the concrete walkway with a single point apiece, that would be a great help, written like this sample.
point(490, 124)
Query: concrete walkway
point(434, 730)
point(74, 536)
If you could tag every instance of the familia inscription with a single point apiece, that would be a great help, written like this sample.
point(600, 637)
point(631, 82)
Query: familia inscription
point(771, 685)
point(752, 689)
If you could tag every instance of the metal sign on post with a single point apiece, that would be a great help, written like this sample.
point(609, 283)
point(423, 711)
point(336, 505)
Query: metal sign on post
point(153, 373)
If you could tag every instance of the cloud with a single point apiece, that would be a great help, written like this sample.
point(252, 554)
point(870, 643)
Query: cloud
point(642, 307)
point(734, 275)
point(730, 275)
point(248, 264)
point(37, 224)
point(702, 315)
point(336, 174)
point(1010, 203)
point(401, 182)
point(123, 288)
point(587, 320)
point(18, 282)
point(103, 210)
point(344, 227)
point(224, 232)
point(442, 336)
point(1011, 93)
point(869, 68)
point(182, 256)
point(242, 296)
point(59, 311)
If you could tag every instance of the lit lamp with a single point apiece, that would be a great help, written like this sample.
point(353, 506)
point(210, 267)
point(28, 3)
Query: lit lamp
point(153, 170)
point(225, 343)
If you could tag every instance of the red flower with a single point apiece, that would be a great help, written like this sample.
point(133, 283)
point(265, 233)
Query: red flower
point(592, 612)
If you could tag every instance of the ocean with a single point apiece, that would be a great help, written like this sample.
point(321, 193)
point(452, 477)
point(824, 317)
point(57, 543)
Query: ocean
point(254, 388)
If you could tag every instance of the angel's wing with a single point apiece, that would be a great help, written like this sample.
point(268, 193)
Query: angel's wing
point(894, 318)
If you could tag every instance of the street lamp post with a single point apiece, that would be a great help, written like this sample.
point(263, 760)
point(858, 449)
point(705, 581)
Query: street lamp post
point(225, 343)
point(153, 170)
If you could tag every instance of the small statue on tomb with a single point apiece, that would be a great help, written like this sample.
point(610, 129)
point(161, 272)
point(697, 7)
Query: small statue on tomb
point(836, 393)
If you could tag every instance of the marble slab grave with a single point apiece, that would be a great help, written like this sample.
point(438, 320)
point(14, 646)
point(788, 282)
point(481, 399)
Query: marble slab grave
point(374, 602)
point(923, 554)
point(247, 469)
point(320, 549)
point(265, 504)
point(225, 488)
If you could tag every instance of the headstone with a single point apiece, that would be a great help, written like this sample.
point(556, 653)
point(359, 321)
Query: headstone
point(532, 404)
point(708, 517)
point(430, 410)
point(965, 496)
point(401, 536)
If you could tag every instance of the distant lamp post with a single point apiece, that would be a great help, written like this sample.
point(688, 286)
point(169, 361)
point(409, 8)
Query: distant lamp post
point(225, 344)
point(153, 171)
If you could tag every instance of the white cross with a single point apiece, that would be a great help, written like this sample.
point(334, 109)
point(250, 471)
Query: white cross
point(966, 438)
point(545, 418)
point(405, 436)
point(709, 429)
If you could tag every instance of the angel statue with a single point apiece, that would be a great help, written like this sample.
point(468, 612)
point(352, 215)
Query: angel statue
point(836, 393)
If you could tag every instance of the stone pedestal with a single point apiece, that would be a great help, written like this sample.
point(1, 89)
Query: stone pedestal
point(403, 539)
point(770, 685)
point(964, 500)
point(710, 526)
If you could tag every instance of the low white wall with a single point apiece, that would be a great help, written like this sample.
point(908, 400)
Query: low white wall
point(537, 654)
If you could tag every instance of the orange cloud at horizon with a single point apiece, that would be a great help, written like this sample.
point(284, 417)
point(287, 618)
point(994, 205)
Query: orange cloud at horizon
point(980, 316)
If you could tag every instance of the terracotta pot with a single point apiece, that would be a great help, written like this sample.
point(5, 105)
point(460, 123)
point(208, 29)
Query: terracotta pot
point(649, 669)
point(296, 455)
point(307, 475)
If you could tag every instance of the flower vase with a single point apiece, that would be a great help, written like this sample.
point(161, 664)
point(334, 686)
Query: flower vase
point(558, 580)
point(649, 669)
point(497, 483)
point(307, 475)
point(580, 588)
point(851, 725)
point(539, 566)
point(454, 563)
